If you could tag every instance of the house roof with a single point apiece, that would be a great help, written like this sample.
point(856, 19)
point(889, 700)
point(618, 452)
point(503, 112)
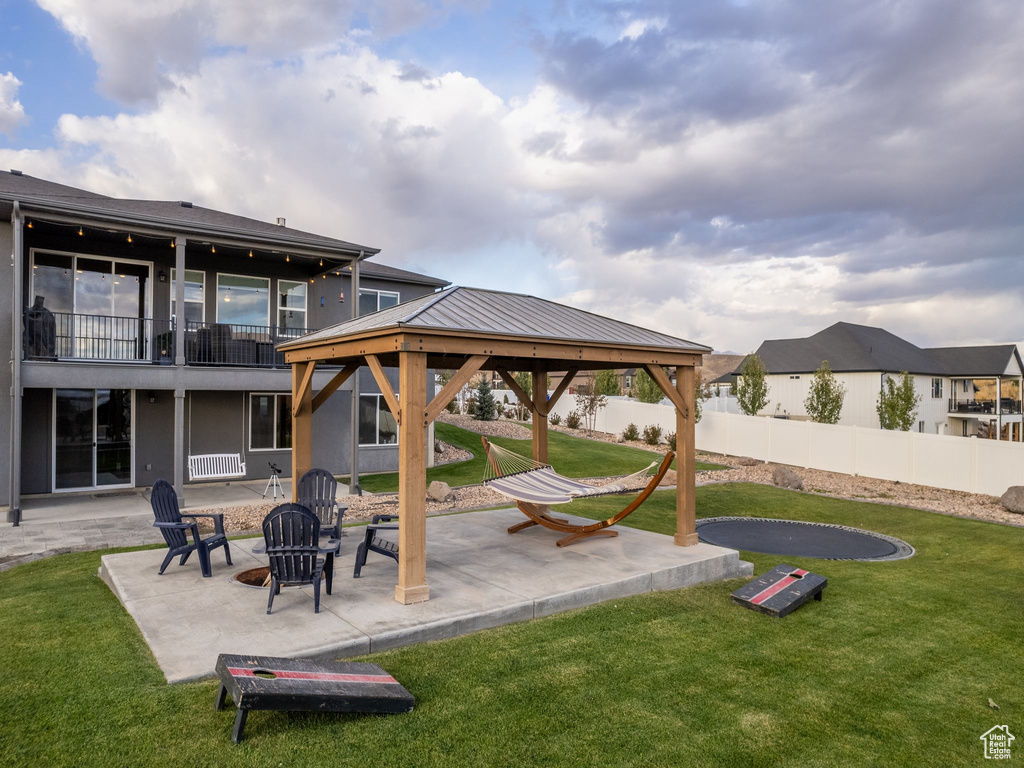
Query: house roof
point(990, 360)
point(854, 348)
point(394, 274)
point(498, 313)
point(40, 195)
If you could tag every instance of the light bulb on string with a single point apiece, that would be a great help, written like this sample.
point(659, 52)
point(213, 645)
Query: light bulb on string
point(80, 232)
point(129, 237)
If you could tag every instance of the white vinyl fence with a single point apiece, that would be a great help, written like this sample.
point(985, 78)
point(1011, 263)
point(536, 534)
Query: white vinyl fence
point(940, 461)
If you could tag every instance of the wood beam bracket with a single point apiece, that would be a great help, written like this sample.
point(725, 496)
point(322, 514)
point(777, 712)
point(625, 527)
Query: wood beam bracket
point(509, 379)
point(449, 390)
point(332, 386)
point(385, 387)
point(560, 389)
point(661, 378)
point(304, 385)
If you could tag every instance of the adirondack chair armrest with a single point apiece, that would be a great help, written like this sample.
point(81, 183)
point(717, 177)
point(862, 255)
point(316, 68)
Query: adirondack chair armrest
point(178, 526)
point(384, 519)
point(218, 519)
point(293, 551)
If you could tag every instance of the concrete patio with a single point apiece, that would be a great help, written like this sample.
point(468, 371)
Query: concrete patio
point(479, 576)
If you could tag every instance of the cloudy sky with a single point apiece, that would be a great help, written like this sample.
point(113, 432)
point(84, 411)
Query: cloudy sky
point(723, 171)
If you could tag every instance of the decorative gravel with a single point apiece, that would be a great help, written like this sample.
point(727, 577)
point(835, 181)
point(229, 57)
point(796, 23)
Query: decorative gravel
point(496, 428)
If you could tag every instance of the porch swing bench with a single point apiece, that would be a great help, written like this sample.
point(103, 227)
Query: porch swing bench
point(535, 487)
point(215, 466)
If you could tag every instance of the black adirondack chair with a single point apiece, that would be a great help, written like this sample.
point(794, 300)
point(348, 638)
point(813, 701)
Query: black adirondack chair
point(169, 520)
point(373, 543)
point(318, 491)
point(292, 535)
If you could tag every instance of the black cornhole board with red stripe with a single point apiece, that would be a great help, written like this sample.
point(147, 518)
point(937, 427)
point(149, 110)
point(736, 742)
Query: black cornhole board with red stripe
point(268, 682)
point(781, 590)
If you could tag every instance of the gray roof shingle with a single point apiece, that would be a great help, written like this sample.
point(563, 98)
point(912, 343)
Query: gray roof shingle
point(853, 348)
point(497, 313)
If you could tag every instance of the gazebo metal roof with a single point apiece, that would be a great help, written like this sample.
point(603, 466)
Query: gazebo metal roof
point(494, 314)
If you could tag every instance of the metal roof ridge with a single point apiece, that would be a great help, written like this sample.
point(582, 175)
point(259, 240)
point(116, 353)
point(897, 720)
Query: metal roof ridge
point(436, 297)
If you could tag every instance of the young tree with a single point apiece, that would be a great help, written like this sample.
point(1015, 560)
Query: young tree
point(589, 401)
point(525, 381)
point(646, 389)
point(752, 392)
point(702, 392)
point(897, 403)
point(824, 402)
point(607, 383)
point(483, 408)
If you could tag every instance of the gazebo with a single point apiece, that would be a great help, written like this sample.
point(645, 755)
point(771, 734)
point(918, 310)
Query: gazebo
point(469, 330)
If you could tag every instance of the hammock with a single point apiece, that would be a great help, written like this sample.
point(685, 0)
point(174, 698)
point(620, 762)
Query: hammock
point(535, 486)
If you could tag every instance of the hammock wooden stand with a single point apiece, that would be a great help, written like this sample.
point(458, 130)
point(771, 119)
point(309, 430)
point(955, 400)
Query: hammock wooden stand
point(539, 514)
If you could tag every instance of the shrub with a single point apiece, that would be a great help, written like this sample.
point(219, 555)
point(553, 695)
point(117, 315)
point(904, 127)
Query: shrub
point(670, 441)
point(631, 432)
point(453, 405)
point(510, 413)
point(652, 434)
point(573, 420)
point(555, 419)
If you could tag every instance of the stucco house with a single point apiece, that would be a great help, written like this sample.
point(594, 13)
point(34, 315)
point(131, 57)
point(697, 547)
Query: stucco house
point(141, 332)
point(970, 390)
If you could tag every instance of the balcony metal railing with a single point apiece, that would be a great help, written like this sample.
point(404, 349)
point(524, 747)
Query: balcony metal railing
point(250, 346)
point(66, 336)
point(1007, 405)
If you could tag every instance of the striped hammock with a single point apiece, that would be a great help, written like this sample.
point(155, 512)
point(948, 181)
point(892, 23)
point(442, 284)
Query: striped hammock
point(523, 479)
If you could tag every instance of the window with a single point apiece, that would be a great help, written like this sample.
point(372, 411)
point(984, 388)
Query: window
point(920, 426)
point(291, 305)
point(376, 424)
point(794, 377)
point(373, 301)
point(965, 385)
point(937, 388)
point(270, 422)
point(195, 292)
point(243, 300)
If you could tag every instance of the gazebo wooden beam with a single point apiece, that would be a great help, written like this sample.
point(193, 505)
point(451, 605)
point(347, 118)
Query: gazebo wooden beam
point(458, 381)
point(412, 482)
point(657, 373)
point(560, 389)
point(304, 385)
point(524, 398)
point(539, 421)
point(686, 458)
point(386, 388)
point(334, 384)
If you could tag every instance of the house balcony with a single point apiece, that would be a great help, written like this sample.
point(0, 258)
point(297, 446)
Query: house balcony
point(983, 408)
point(64, 337)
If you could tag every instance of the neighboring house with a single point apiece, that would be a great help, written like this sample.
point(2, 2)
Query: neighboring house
point(964, 390)
point(117, 384)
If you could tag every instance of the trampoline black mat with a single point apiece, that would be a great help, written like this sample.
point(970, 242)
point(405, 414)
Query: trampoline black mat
point(800, 539)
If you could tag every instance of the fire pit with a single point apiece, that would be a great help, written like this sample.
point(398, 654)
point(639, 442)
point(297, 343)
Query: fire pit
point(254, 577)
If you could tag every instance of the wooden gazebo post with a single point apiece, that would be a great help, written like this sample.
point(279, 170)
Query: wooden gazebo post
point(686, 458)
point(412, 479)
point(539, 417)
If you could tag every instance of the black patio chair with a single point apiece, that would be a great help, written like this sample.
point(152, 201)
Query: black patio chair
point(169, 520)
point(373, 543)
point(317, 492)
point(292, 535)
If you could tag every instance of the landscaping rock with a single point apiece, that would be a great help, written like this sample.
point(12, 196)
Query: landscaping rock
point(784, 477)
point(669, 478)
point(747, 462)
point(439, 491)
point(1013, 499)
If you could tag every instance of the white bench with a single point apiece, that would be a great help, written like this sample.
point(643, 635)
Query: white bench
point(215, 466)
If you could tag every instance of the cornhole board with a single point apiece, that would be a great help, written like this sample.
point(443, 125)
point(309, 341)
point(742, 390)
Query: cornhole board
point(781, 590)
point(296, 685)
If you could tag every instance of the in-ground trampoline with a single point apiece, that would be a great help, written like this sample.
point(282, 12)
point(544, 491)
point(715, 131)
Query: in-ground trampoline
point(800, 539)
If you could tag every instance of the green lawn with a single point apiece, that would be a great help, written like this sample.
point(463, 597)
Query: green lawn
point(570, 456)
point(895, 667)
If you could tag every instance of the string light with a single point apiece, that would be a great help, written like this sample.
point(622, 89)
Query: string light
point(213, 249)
point(250, 253)
point(80, 232)
point(173, 244)
point(321, 261)
point(29, 225)
point(287, 257)
point(129, 237)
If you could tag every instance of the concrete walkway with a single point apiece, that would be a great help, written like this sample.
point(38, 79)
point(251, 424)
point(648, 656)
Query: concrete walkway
point(479, 577)
point(100, 520)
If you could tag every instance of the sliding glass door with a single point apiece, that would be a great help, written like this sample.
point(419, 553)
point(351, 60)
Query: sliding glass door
point(92, 439)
